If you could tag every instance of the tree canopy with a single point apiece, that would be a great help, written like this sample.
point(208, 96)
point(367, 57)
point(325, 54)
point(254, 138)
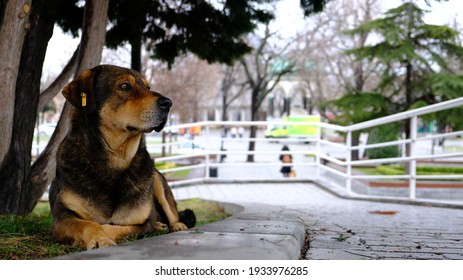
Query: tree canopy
point(211, 30)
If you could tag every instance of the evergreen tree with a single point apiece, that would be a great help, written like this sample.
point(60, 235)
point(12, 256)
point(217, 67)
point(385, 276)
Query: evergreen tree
point(413, 59)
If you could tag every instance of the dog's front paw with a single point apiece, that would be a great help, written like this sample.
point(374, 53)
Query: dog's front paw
point(178, 226)
point(160, 227)
point(100, 242)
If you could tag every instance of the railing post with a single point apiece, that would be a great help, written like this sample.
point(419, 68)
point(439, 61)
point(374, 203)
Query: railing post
point(348, 162)
point(318, 151)
point(207, 171)
point(412, 179)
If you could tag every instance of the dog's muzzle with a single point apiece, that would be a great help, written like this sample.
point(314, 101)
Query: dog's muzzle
point(164, 105)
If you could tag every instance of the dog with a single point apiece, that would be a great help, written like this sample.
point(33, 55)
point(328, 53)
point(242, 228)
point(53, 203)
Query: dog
point(106, 186)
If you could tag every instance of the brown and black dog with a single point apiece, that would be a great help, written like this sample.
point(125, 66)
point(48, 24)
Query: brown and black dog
point(106, 186)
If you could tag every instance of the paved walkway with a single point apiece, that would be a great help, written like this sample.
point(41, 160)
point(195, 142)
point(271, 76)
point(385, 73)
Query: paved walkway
point(277, 216)
point(350, 229)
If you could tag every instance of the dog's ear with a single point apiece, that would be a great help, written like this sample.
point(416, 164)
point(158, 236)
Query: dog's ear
point(80, 93)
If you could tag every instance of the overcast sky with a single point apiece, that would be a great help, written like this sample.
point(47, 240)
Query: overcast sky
point(288, 21)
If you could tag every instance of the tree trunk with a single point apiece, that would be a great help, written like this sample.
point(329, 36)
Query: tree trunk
point(13, 29)
point(27, 97)
point(252, 143)
point(90, 51)
point(17, 186)
point(136, 55)
point(253, 128)
point(407, 130)
point(355, 142)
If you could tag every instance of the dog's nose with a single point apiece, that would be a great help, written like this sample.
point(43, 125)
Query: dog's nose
point(164, 102)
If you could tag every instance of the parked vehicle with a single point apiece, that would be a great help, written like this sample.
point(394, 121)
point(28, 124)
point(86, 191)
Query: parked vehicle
point(292, 130)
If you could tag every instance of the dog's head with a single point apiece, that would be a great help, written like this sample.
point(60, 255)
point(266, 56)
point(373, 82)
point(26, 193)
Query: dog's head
point(121, 97)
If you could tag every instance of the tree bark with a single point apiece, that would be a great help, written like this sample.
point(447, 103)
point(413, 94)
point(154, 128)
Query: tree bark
point(13, 29)
point(136, 55)
point(355, 142)
point(90, 52)
point(253, 128)
point(15, 175)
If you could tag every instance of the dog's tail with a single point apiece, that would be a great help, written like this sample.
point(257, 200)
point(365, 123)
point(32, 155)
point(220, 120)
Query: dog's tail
point(187, 217)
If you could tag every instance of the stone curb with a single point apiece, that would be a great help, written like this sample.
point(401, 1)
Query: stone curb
point(244, 236)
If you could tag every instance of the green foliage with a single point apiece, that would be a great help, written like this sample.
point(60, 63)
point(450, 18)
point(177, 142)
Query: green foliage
point(359, 107)
point(421, 170)
point(413, 58)
point(69, 19)
point(428, 170)
point(380, 134)
point(212, 33)
point(416, 47)
point(312, 6)
point(213, 30)
point(445, 85)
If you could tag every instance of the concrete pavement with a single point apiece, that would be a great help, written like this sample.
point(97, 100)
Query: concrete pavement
point(277, 221)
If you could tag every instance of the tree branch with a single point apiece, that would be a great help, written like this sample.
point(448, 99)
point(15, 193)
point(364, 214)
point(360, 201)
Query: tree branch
point(62, 79)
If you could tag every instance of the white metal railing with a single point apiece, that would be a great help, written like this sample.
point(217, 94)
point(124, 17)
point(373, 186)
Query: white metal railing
point(340, 165)
point(412, 115)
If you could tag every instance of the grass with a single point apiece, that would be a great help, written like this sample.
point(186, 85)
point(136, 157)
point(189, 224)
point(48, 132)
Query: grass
point(179, 174)
point(29, 237)
point(420, 170)
point(206, 211)
point(453, 148)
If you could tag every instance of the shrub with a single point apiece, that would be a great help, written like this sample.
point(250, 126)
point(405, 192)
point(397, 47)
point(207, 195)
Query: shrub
point(382, 134)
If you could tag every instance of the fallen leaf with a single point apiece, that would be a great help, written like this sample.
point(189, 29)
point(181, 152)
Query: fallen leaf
point(383, 212)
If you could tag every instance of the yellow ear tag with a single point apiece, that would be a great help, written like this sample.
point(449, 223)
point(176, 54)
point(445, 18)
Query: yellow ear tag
point(84, 99)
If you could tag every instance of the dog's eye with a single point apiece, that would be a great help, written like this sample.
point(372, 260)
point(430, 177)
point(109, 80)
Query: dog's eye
point(125, 86)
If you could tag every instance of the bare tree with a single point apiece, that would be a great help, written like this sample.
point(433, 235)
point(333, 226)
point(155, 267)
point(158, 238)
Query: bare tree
point(190, 83)
point(260, 78)
point(327, 71)
point(232, 87)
